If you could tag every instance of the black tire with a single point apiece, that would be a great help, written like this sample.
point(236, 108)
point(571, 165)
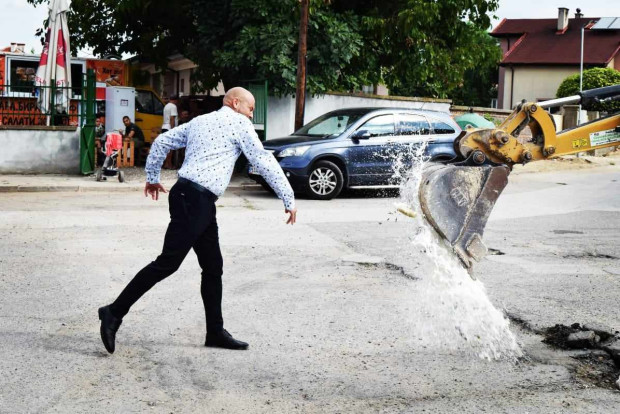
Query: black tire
point(325, 181)
point(121, 177)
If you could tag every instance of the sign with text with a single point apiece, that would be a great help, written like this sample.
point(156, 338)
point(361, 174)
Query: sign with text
point(24, 112)
point(110, 72)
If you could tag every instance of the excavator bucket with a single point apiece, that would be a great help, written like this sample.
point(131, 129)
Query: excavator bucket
point(457, 201)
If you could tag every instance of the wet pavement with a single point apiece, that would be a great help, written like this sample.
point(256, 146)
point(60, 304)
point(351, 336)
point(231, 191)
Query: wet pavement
point(326, 305)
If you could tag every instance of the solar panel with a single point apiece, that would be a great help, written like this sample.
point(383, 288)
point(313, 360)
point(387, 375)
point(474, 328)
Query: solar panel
point(607, 23)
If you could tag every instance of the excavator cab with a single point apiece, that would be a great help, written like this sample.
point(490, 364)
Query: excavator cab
point(457, 197)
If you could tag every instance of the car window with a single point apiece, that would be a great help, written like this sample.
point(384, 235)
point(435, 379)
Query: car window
point(411, 124)
point(147, 103)
point(158, 106)
point(379, 126)
point(331, 125)
point(441, 127)
point(144, 102)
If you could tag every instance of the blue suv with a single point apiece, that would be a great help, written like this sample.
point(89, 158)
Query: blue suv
point(359, 148)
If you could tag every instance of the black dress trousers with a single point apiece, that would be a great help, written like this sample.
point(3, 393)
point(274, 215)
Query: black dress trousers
point(192, 225)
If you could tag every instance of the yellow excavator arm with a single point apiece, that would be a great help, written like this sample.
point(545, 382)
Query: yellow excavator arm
point(458, 196)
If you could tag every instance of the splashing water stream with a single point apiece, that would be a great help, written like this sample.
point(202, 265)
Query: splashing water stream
point(452, 312)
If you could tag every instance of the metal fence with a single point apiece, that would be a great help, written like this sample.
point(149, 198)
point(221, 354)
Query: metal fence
point(25, 104)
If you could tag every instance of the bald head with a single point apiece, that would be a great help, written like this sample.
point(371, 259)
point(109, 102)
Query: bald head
point(240, 100)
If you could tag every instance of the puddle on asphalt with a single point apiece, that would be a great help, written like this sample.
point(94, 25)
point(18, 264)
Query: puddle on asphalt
point(451, 311)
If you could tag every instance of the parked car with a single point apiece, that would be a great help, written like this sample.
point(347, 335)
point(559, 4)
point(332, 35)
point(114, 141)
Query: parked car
point(359, 148)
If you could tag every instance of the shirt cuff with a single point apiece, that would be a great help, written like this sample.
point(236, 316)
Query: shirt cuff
point(289, 204)
point(152, 177)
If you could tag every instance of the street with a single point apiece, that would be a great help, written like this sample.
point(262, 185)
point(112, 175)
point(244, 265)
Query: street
point(330, 306)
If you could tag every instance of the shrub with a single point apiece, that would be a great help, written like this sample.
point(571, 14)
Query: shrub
point(592, 78)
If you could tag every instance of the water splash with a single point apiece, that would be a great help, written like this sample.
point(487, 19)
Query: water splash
point(451, 312)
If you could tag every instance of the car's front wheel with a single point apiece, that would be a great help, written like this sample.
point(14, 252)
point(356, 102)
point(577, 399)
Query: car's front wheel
point(325, 181)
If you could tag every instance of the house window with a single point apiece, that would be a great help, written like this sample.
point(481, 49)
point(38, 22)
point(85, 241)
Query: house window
point(21, 75)
point(77, 77)
point(183, 85)
point(156, 82)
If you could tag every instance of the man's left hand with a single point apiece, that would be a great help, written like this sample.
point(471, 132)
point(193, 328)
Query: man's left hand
point(153, 190)
point(292, 216)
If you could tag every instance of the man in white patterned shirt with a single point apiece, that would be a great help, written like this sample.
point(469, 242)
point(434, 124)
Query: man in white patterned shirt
point(212, 142)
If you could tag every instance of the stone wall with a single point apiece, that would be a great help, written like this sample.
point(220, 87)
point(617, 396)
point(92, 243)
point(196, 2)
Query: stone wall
point(39, 150)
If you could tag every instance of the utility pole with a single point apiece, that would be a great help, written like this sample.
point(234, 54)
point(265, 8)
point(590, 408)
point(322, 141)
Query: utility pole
point(300, 96)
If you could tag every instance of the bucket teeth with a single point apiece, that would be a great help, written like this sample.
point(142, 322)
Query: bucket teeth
point(457, 201)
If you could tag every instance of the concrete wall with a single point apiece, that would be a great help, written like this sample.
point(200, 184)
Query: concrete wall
point(533, 83)
point(39, 150)
point(281, 111)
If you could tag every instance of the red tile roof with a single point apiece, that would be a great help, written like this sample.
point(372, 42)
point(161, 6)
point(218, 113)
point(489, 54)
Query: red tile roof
point(540, 42)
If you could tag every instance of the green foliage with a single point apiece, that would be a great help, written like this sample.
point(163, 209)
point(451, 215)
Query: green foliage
point(592, 78)
point(262, 44)
point(424, 47)
point(415, 47)
point(491, 118)
point(479, 84)
point(153, 29)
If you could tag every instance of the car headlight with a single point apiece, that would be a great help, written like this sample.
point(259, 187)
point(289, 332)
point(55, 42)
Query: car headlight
point(294, 151)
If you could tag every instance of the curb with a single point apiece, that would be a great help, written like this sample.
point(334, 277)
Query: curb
point(93, 189)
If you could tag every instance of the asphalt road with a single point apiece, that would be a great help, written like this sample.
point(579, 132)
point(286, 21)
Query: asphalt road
point(326, 305)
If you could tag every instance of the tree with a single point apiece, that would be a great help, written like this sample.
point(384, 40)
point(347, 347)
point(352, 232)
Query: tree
point(415, 47)
point(260, 41)
point(423, 47)
point(479, 84)
point(153, 29)
point(592, 78)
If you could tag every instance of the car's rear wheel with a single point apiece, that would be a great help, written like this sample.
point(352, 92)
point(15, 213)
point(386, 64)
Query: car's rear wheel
point(325, 181)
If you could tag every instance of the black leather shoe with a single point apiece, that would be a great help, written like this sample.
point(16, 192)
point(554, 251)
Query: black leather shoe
point(223, 339)
point(109, 326)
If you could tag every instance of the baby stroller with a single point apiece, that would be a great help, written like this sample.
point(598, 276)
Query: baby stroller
point(113, 146)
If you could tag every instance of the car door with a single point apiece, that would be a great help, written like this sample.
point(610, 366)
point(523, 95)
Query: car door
point(369, 154)
point(413, 130)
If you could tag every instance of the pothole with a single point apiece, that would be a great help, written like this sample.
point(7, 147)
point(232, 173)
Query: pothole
point(595, 348)
point(590, 255)
point(401, 270)
point(495, 252)
point(389, 266)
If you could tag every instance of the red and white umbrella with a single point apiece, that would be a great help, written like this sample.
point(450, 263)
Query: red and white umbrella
point(55, 60)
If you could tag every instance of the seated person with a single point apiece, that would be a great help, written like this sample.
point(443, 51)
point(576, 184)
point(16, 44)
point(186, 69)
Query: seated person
point(184, 117)
point(133, 133)
point(100, 138)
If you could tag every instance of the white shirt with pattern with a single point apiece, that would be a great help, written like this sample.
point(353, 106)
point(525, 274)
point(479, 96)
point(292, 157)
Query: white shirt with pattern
point(213, 142)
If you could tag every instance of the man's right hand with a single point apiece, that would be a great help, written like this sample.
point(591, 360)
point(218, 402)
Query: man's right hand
point(292, 216)
point(153, 190)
